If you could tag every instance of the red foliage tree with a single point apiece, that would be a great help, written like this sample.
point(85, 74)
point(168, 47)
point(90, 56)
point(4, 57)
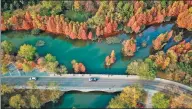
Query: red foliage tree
point(59, 29)
point(109, 28)
point(183, 18)
point(90, 35)
point(3, 27)
point(26, 25)
point(98, 31)
point(51, 26)
point(84, 35)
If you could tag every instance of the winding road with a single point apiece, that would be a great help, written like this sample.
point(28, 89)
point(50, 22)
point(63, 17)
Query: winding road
point(106, 83)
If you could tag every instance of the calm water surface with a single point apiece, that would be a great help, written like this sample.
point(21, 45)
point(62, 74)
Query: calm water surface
point(91, 54)
point(82, 100)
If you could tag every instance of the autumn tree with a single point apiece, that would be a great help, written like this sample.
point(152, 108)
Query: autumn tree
point(128, 98)
point(89, 6)
point(109, 60)
point(78, 67)
point(76, 5)
point(129, 47)
point(183, 17)
point(90, 35)
point(181, 101)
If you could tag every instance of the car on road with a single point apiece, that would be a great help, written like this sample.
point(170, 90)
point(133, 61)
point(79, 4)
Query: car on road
point(33, 78)
point(93, 79)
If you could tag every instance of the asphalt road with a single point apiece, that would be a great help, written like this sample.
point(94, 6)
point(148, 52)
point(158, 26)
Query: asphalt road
point(79, 83)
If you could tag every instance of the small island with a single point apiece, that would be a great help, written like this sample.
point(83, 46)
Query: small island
point(129, 47)
point(109, 60)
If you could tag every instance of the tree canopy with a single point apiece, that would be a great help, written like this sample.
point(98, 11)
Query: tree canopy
point(27, 51)
point(160, 100)
point(17, 101)
point(7, 46)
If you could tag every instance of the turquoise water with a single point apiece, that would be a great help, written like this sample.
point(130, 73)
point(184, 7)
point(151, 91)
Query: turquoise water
point(82, 100)
point(91, 54)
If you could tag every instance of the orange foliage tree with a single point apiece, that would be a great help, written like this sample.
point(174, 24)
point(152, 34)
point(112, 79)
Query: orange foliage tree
point(129, 47)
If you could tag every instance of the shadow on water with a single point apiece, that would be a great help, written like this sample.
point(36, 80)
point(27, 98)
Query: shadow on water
point(82, 100)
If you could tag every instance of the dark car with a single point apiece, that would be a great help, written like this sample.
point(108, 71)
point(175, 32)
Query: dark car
point(93, 79)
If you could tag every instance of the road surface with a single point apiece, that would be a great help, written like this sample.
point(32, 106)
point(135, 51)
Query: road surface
point(106, 84)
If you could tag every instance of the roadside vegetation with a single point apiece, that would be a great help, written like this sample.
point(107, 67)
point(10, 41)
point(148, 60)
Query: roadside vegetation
point(27, 98)
point(130, 97)
point(163, 100)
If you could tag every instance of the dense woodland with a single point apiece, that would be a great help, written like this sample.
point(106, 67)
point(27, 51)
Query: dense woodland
point(108, 17)
point(135, 97)
point(29, 98)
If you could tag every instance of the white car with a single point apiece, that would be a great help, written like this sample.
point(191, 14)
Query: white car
point(33, 78)
point(93, 79)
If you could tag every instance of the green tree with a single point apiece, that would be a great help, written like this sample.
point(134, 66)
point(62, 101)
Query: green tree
point(55, 94)
point(73, 61)
point(4, 69)
point(45, 12)
point(163, 3)
point(17, 102)
point(52, 66)
point(7, 14)
point(119, 6)
point(62, 70)
point(132, 68)
point(126, 7)
point(27, 51)
point(7, 46)
point(5, 89)
point(160, 100)
point(11, 7)
point(5, 7)
point(50, 58)
point(145, 71)
point(31, 84)
point(34, 102)
point(27, 67)
point(47, 4)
